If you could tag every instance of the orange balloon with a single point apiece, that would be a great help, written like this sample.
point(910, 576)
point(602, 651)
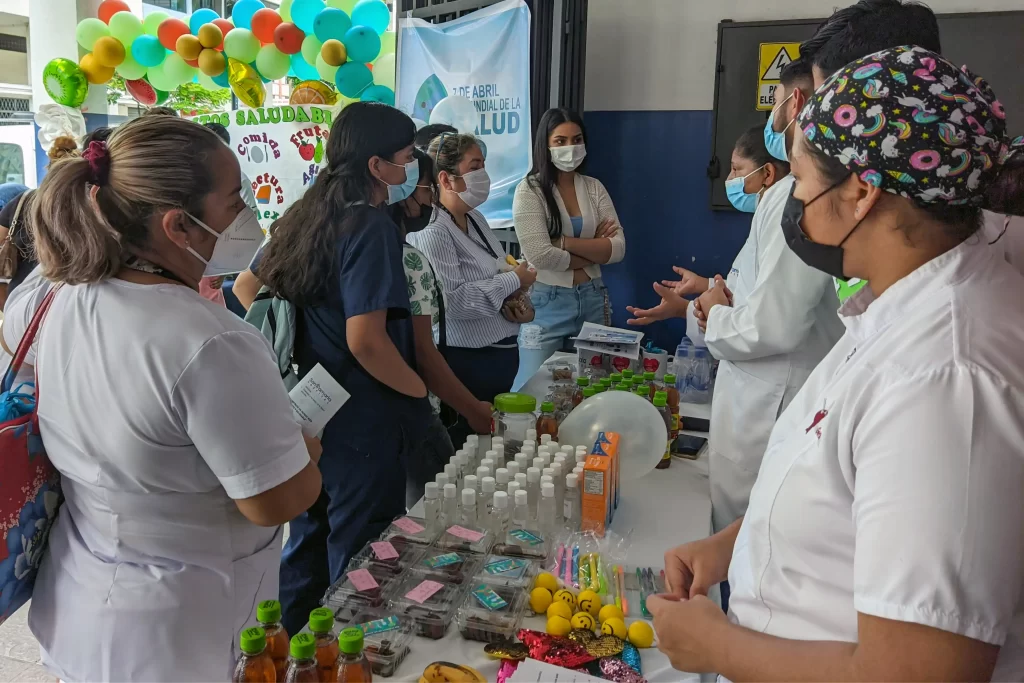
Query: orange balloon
point(170, 30)
point(333, 52)
point(263, 24)
point(109, 52)
point(212, 63)
point(188, 46)
point(288, 38)
point(95, 73)
point(210, 35)
point(109, 8)
point(224, 25)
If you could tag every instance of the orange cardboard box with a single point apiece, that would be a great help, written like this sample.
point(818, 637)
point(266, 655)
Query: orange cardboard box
point(598, 494)
point(607, 444)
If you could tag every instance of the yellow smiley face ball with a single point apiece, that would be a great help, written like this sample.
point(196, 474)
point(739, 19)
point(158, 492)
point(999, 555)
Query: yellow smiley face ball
point(589, 601)
point(540, 598)
point(608, 612)
point(558, 626)
point(614, 626)
point(566, 597)
point(545, 580)
point(583, 620)
point(559, 609)
point(640, 634)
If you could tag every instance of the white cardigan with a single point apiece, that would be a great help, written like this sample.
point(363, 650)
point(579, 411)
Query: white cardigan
point(530, 214)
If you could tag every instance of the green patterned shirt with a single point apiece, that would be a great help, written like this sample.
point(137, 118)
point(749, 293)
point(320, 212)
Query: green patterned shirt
point(424, 289)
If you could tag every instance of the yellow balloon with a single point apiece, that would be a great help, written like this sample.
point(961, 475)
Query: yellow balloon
point(212, 63)
point(109, 52)
point(246, 84)
point(210, 35)
point(188, 47)
point(95, 73)
point(583, 620)
point(334, 52)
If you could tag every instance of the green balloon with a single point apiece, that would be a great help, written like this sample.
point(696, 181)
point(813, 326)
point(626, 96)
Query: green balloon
point(272, 63)
point(129, 69)
point(177, 70)
point(242, 45)
point(160, 79)
point(208, 82)
point(311, 49)
point(89, 31)
point(388, 41)
point(345, 5)
point(65, 82)
point(285, 10)
point(126, 27)
point(151, 24)
point(325, 70)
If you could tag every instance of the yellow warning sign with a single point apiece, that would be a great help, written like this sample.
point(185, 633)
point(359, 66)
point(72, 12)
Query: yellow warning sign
point(772, 59)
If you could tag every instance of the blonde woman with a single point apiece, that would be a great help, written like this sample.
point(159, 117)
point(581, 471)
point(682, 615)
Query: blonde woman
point(163, 412)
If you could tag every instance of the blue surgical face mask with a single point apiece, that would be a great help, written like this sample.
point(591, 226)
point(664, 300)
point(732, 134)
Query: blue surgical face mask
point(738, 196)
point(774, 141)
point(397, 193)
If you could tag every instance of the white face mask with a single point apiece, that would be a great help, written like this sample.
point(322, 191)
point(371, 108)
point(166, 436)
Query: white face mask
point(478, 188)
point(568, 158)
point(235, 247)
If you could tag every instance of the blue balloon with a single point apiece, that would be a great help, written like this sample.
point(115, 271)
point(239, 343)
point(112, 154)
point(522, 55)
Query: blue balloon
point(379, 93)
point(305, 12)
point(362, 44)
point(201, 17)
point(331, 23)
point(372, 13)
point(222, 80)
point(147, 50)
point(242, 12)
point(303, 71)
point(352, 78)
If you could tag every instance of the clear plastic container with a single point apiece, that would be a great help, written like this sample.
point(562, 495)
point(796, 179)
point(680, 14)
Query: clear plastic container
point(391, 557)
point(365, 584)
point(513, 572)
point(476, 539)
point(386, 639)
point(411, 529)
point(514, 414)
point(447, 566)
point(428, 603)
point(491, 613)
point(692, 368)
point(523, 542)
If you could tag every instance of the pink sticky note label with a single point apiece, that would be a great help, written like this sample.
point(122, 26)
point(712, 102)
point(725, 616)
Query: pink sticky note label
point(465, 534)
point(362, 580)
point(422, 592)
point(408, 526)
point(383, 550)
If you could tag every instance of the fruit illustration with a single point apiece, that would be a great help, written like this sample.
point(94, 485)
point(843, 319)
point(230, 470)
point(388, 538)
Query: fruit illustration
point(446, 672)
point(306, 151)
point(318, 155)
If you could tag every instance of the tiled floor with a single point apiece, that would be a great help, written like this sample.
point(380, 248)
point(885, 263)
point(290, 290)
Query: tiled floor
point(19, 652)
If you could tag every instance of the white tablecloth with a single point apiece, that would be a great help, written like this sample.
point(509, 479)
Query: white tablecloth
point(664, 508)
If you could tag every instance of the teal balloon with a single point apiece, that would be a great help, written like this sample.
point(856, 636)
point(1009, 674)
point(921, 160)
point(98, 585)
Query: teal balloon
point(129, 69)
point(331, 23)
point(372, 13)
point(362, 44)
point(302, 70)
point(200, 17)
point(242, 12)
point(222, 80)
point(89, 31)
point(147, 51)
point(305, 12)
point(379, 93)
point(352, 78)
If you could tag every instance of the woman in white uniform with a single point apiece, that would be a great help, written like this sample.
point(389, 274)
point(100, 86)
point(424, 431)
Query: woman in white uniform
point(885, 534)
point(163, 412)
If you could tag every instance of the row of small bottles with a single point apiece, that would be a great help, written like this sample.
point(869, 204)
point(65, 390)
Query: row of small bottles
point(535, 489)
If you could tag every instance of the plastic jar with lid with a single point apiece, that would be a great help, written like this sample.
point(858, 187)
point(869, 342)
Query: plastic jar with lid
point(514, 414)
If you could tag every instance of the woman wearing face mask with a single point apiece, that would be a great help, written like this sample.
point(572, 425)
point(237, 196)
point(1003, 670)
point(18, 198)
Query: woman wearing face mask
point(480, 328)
point(163, 412)
point(885, 537)
point(567, 227)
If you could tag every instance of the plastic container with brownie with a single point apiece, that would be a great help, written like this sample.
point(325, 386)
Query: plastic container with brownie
point(409, 529)
point(491, 613)
point(512, 572)
point(523, 543)
point(393, 556)
point(364, 585)
point(475, 539)
point(386, 639)
point(430, 604)
point(447, 566)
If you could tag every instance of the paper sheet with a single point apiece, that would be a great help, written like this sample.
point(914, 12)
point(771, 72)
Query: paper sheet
point(534, 671)
point(611, 340)
point(315, 400)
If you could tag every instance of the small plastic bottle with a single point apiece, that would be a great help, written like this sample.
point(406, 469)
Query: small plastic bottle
point(353, 667)
point(544, 438)
point(616, 378)
point(521, 460)
point(321, 625)
point(581, 384)
point(554, 447)
point(472, 482)
point(589, 392)
point(547, 472)
point(533, 490)
point(482, 471)
point(513, 486)
point(255, 664)
point(498, 444)
point(513, 469)
point(432, 507)
point(495, 457)
point(651, 383)
point(450, 505)
point(661, 403)
point(467, 513)
point(571, 505)
point(521, 512)
point(546, 510)
point(546, 459)
point(462, 458)
point(530, 450)
point(558, 473)
point(486, 498)
point(546, 479)
point(539, 463)
point(268, 613)
point(473, 440)
point(499, 514)
point(501, 479)
point(521, 480)
point(441, 479)
point(302, 666)
point(627, 374)
point(567, 450)
point(673, 404)
point(547, 423)
point(452, 470)
point(581, 453)
point(531, 435)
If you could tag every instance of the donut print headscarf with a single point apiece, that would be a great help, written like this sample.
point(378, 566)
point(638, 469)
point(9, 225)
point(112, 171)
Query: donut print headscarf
point(909, 122)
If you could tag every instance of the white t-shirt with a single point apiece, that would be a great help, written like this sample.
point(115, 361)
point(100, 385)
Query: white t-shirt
point(159, 408)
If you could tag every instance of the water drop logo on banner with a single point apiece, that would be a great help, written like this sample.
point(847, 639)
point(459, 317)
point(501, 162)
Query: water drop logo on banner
point(474, 73)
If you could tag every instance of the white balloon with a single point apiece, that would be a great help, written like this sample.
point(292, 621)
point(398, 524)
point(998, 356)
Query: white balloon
point(642, 431)
point(457, 111)
point(384, 71)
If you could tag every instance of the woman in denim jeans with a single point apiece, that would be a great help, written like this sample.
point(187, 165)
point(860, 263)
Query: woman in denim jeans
point(567, 228)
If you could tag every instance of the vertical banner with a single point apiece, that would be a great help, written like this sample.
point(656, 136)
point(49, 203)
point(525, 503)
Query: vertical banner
point(280, 149)
point(474, 73)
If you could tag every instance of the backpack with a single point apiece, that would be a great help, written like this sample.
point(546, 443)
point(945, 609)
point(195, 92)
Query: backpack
point(277, 319)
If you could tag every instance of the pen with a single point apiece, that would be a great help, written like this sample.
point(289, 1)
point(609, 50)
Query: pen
point(643, 592)
point(622, 590)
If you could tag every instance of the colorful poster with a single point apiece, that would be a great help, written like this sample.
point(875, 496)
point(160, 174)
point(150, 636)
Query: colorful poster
point(485, 58)
point(280, 150)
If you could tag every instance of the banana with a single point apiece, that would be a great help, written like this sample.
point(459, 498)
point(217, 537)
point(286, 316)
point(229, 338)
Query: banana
point(511, 261)
point(446, 672)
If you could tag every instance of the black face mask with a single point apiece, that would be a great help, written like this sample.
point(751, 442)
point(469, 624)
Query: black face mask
point(824, 257)
point(417, 223)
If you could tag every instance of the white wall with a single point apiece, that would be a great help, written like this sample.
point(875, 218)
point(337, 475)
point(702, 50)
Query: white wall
point(13, 65)
point(19, 7)
point(647, 55)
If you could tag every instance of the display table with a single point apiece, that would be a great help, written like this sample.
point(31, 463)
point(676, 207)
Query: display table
point(663, 509)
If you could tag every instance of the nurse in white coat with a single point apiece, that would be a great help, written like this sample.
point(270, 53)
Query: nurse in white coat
point(885, 534)
point(164, 413)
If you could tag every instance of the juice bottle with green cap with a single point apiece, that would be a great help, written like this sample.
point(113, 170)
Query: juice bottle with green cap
point(661, 403)
point(255, 665)
point(651, 384)
point(589, 392)
point(627, 374)
point(321, 625)
point(268, 613)
point(302, 666)
point(615, 377)
point(353, 666)
point(673, 404)
point(547, 423)
point(581, 384)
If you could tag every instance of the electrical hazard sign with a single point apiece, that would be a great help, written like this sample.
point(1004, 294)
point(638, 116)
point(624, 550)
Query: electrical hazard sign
point(773, 58)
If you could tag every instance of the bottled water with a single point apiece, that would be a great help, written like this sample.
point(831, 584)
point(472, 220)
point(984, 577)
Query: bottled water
point(467, 513)
point(450, 505)
point(546, 510)
point(499, 514)
point(432, 507)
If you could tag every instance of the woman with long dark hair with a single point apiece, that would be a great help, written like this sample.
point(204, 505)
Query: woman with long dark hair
point(567, 228)
point(337, 256)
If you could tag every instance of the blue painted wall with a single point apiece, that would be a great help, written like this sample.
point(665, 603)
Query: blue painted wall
point(653, 164)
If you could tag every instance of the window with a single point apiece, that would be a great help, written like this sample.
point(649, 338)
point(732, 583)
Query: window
point(12, 163)
point(173, 5)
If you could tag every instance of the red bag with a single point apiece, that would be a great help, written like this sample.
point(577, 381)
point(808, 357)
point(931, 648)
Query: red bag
point(30, 492)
